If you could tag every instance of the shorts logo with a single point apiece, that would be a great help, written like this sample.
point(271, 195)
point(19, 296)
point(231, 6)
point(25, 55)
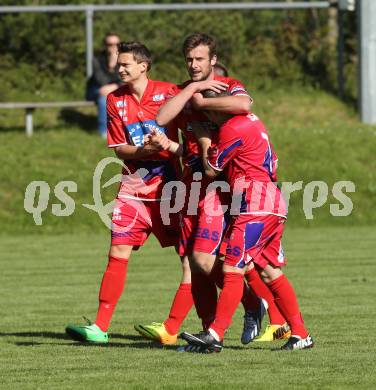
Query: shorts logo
point(207, 234)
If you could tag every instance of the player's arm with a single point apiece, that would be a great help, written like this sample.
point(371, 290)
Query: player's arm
point(174, 105)
point(162, 142)
point(238, 104)
point(204, 139)
point(130, 152)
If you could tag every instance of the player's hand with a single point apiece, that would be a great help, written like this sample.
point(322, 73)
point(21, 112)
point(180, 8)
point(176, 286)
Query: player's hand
point(213, 85)
point(158, 140)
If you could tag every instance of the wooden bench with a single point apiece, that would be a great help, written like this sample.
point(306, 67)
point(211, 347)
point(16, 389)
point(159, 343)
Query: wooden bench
point(30, 107)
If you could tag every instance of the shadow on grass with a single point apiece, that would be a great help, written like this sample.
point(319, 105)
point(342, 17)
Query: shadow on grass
point(86, 122)
point(49, 335)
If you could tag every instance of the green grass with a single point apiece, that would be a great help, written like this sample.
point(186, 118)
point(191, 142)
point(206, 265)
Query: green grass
point(317, 137)
point(49, 280)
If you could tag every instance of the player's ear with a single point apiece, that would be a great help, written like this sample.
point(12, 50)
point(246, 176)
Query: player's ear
point(144, 66)
point(213, 60)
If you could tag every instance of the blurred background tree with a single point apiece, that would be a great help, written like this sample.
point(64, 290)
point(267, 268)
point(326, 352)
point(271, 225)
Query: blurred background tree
point(43, 55)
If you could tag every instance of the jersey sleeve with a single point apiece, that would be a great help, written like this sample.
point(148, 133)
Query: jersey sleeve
point(224, 149)
point(236, 88)
point(115, 129)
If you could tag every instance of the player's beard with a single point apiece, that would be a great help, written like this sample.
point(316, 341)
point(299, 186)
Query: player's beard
point(205, 74)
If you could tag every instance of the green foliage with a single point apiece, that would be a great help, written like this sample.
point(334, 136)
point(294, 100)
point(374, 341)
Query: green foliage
point(46, 52)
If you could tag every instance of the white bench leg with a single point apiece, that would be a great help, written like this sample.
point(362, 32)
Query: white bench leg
point(29, 121)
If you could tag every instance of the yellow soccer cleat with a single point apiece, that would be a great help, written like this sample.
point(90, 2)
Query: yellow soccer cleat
point(274, 332)
point(157, 332)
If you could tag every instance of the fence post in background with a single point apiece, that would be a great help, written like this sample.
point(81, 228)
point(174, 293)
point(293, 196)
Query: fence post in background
point(89, 41)
point(367, 60)
point(340, 54)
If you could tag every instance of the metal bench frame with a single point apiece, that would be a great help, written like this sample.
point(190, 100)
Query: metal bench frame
point(30, 107)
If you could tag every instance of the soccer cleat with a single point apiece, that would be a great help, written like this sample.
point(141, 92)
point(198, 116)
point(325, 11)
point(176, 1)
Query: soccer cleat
point(296, 342)
point(252, 323)
point(202, 342)
point(157, 332)
point(274, 332)
point(87, 333)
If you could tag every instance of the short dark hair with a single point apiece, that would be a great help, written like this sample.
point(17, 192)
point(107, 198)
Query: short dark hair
point(197, 39)
point(140, 52)
point(221, 67)
point(208, 93)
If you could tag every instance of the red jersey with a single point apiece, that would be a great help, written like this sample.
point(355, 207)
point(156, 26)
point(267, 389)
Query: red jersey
point(128, 122)
point(246, 156)
point(192, 154)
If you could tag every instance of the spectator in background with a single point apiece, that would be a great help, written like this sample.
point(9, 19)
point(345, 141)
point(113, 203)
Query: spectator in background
point(105, 79)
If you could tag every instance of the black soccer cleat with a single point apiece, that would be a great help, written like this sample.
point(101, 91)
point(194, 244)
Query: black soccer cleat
point(296, 343)
point(202, 342)
point(252, 323)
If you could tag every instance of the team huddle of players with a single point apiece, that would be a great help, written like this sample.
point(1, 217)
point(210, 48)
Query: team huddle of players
point(227, 238)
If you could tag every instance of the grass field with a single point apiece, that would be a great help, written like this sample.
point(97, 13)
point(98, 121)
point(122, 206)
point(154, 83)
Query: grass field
point(48, 281)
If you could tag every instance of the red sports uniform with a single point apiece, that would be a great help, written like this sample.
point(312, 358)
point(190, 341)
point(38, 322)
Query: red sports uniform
point(137, 209)
point(200, 232)
point(244, 153)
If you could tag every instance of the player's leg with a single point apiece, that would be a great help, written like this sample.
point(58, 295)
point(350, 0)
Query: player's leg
point(254, 307)
point(166, 332)
point(229, 299)
point(125, 234)
point(277, 328)
point(268, 263)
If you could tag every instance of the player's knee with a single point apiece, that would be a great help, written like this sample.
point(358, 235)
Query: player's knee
point(121, 251)
point(203, 261)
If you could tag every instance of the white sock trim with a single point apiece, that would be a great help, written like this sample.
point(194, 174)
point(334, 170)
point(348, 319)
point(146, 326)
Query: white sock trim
point(214, 334)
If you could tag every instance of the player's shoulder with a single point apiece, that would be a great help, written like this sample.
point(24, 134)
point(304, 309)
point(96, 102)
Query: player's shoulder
point(119, 93)
point(162, 90)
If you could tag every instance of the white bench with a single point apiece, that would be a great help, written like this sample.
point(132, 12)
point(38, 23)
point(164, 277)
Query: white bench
point(30, 107)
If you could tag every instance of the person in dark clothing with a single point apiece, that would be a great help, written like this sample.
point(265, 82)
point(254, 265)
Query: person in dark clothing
point(105, 79)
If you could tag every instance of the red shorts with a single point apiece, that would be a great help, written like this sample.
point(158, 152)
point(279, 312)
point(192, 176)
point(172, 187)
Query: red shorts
point(203, 231)
point(254, 238)
point(134, 220)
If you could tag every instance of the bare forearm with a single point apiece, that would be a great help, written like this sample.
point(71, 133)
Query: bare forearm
point(228, 104)
point(173, 107)
point(130, 152)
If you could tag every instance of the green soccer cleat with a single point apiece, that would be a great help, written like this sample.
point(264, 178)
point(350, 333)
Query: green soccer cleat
point(90, 333)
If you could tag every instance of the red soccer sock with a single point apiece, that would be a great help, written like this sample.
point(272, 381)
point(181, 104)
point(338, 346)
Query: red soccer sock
point(287, 302)
point(181, 305)
point(111, 288)
point(249, 299)
point(262, 290)
point(228, 301)
point(204, 292)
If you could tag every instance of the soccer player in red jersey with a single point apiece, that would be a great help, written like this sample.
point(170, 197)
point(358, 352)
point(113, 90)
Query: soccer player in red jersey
point(201, 233)
point(132, 110)
point(243, 152)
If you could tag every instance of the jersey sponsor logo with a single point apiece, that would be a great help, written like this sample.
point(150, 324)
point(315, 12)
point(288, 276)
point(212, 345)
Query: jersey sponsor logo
point(253, 117)
point(121, 103)
point(122, 113)
point(159, 97)
point(139, 130)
